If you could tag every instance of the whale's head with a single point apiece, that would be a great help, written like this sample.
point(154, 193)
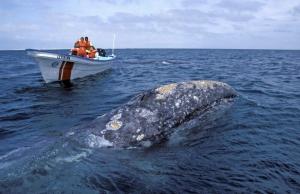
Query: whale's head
point(152, 115)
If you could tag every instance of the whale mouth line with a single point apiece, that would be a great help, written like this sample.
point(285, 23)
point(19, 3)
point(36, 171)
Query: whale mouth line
point(195, 114)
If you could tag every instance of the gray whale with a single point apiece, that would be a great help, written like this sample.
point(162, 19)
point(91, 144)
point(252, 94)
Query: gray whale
point(151, 116)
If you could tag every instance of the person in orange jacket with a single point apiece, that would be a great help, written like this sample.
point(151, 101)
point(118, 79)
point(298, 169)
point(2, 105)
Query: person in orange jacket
point(92, 52)
point(90, 49)
point(80, 48)
point(88, 44)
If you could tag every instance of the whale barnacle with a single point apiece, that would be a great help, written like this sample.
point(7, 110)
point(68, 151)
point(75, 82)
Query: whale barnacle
point(114, 125)
point(164, 91)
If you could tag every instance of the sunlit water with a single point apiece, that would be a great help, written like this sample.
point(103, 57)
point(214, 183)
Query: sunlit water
point(253, 145)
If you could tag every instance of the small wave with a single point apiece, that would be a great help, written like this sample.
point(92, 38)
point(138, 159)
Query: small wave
point(5, 164)
point(138, 61)
point(4, 132)
point(20, 116)
point(16, 117)
point(20, 75)
point(31, 89)
point(12, 152)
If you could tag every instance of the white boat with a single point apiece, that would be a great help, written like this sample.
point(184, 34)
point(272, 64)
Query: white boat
point(59, 67)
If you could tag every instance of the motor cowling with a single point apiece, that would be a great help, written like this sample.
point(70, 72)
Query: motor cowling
point(101, 52)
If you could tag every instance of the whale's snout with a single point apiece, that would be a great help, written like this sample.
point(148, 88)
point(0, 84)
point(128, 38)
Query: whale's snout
point(150, 116)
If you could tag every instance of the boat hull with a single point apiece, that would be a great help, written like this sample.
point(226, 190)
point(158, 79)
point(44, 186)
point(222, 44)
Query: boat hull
point(56, 67)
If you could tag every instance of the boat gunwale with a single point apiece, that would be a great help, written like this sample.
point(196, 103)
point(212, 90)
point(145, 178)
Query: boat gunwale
point(70, 58)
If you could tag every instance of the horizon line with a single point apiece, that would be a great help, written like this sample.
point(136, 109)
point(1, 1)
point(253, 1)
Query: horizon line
point(175, 48)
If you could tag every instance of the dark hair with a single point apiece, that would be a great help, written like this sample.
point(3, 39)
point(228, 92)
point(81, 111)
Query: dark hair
point(81, 38)
point(86, 38)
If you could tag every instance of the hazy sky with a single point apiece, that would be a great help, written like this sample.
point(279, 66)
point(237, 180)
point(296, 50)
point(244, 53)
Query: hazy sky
point(270, 24)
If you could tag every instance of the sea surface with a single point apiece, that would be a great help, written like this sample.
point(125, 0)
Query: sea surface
point(251, 146)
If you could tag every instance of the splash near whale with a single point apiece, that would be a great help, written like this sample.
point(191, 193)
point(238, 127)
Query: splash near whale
point(151, 116)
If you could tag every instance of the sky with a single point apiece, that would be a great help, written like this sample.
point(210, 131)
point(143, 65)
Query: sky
point(225, 24)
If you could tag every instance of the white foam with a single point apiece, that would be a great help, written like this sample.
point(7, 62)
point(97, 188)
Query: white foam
point(165, 62)
point(98, 141)
point(116, 117)
point(74, 158)
point(70, 133)
point(101, 116)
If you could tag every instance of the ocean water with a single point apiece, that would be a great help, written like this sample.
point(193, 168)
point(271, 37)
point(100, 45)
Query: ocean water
point(251, 146)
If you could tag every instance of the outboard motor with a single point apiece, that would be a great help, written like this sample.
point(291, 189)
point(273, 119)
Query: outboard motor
point(101, 52)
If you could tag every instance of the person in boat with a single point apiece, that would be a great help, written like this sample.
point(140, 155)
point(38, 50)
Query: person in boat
point(88, 44)
point(80, 48)
point(90, 49)
point(92, 52)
